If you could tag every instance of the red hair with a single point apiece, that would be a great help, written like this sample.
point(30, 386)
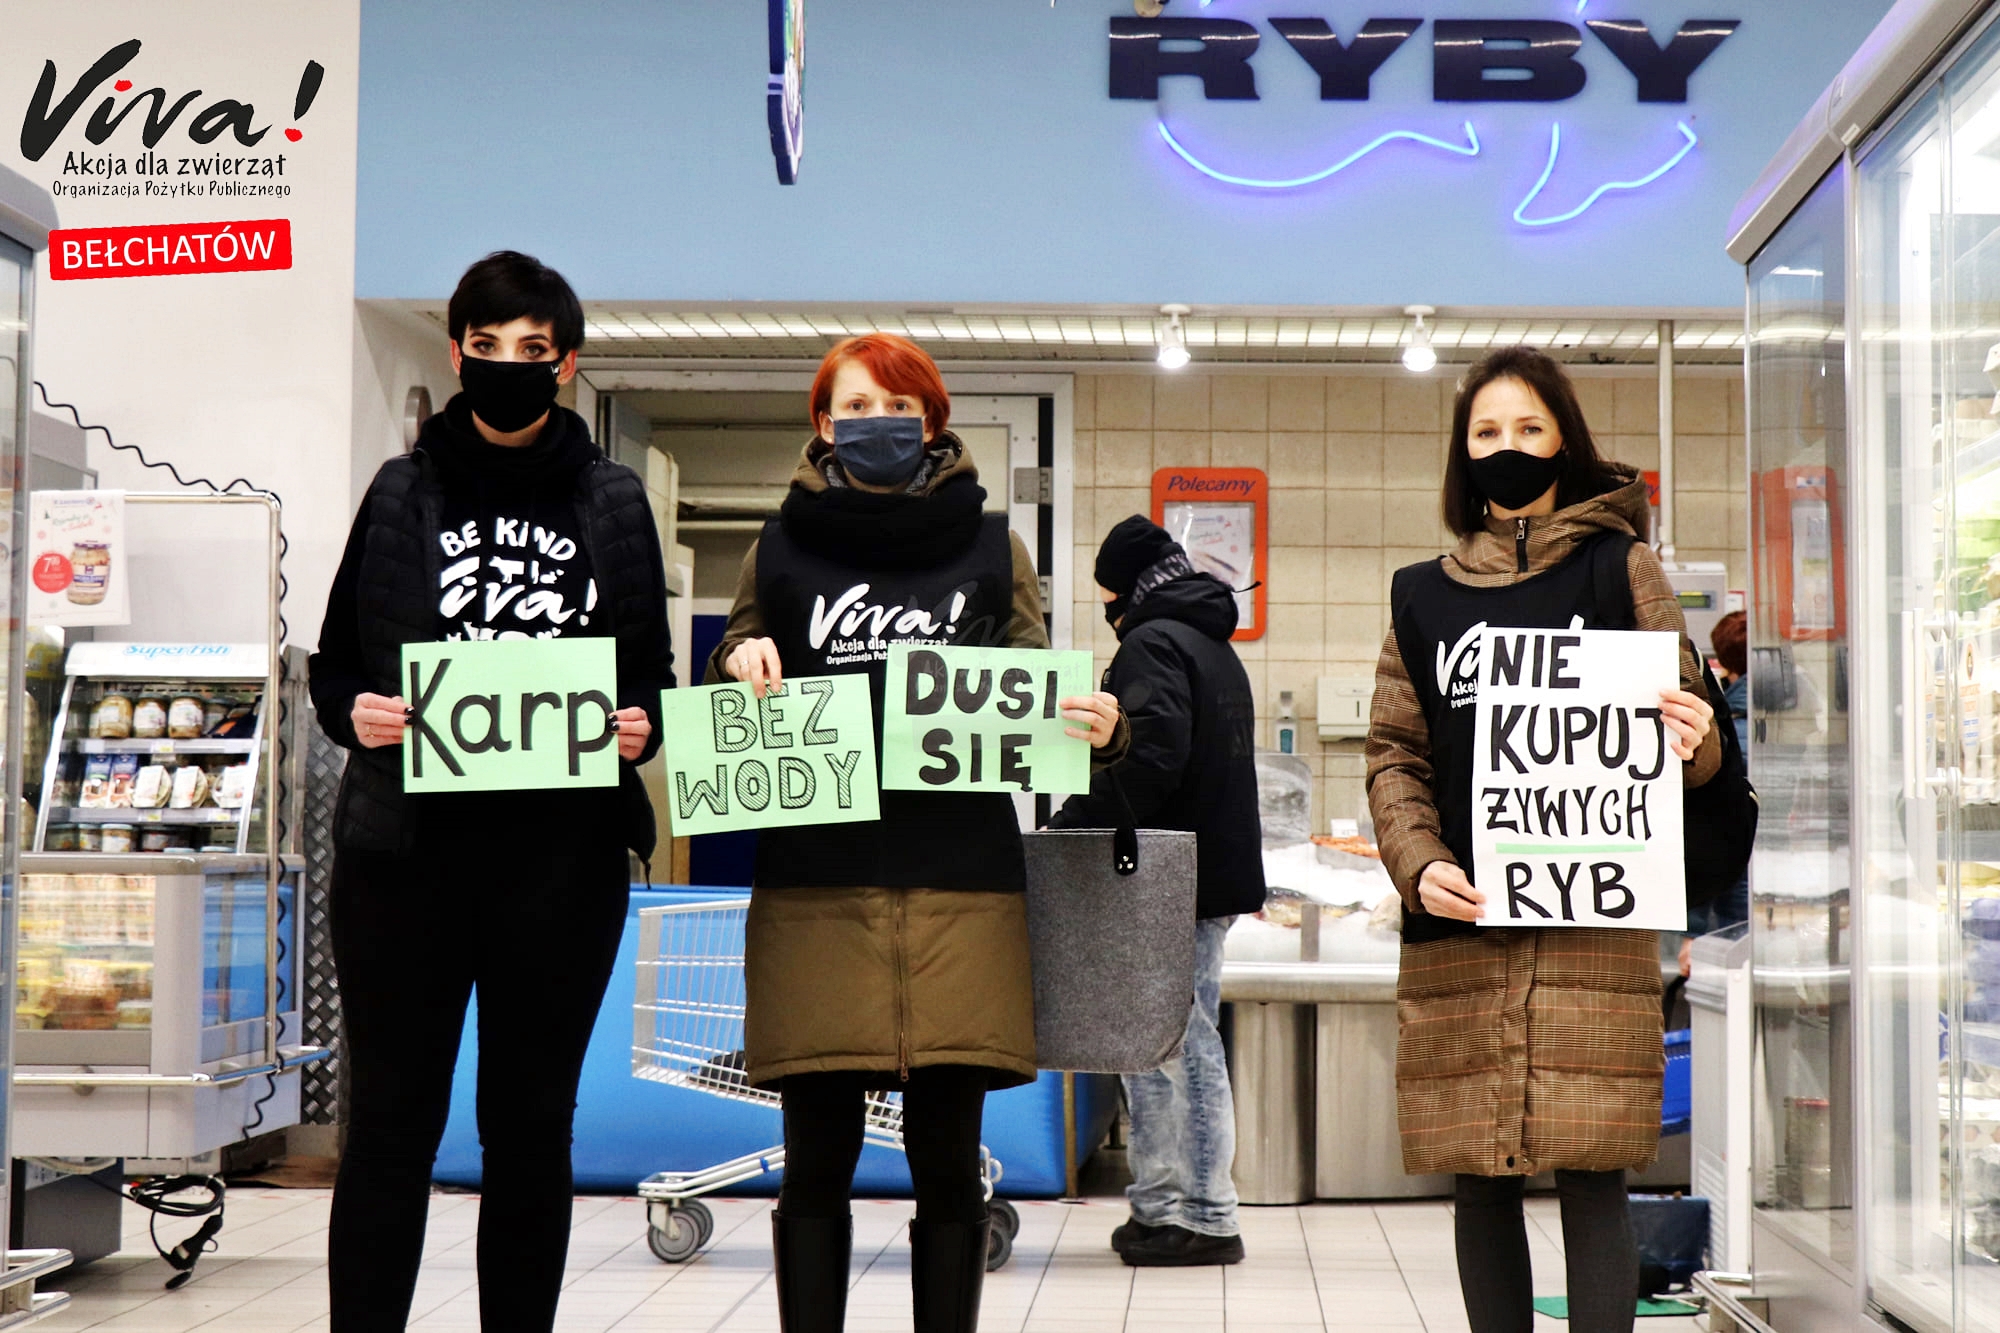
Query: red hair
point(897, 364)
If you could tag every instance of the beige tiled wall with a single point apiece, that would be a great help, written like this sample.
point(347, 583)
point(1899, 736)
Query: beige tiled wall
point(1355, 463)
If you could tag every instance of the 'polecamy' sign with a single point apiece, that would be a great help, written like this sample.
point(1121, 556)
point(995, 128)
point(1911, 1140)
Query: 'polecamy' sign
point(802, 754)
point(1576, 791)
point(982, 719)
point(510, 714)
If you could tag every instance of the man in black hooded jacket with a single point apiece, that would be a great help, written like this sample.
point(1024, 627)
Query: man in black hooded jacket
point(1190, 767)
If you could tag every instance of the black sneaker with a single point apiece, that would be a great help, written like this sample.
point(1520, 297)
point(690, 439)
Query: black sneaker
point(1131, 1232)
point(1177, 1247)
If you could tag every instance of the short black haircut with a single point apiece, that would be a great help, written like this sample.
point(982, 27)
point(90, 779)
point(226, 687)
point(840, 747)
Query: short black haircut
point(508, 285)
point(1583, 475)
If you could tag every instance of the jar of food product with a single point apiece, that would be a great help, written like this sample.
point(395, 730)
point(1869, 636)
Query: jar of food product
point(149, 718)
point(154, 840)
point(111, 720)
point(90, 572)
point(134, 1014)
point(184, 717)
point(60, 838)
point(90, 837)
point(213, 712)
point(118, 838)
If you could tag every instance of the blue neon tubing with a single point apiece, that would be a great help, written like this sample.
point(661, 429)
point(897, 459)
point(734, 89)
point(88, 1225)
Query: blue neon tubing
point(1468, 149)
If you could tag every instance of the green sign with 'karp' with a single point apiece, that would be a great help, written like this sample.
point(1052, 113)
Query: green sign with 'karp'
point(510, 715)
point(983, 719)
point(802, 754)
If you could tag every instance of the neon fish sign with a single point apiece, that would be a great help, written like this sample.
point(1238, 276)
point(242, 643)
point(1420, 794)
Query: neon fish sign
point(1472, 60)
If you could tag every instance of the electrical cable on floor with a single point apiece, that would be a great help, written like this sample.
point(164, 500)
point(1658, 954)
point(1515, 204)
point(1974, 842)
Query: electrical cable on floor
point(152, 1195)
point(155, 1196)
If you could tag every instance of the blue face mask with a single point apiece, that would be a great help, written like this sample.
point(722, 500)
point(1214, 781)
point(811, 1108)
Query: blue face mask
point(880, 451)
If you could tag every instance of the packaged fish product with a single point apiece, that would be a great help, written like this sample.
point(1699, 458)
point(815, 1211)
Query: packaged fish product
point(124, 777)
point(153, 786)
point(190, 787)
point(95, 794)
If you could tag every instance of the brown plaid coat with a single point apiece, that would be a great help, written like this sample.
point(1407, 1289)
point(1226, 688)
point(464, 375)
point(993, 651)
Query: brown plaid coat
point(1521, 1050)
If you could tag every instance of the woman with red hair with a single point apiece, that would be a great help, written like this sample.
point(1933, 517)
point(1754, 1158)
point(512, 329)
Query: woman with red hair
point(888, 955)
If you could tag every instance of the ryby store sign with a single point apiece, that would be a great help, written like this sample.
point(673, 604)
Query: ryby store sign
point(1510, 60)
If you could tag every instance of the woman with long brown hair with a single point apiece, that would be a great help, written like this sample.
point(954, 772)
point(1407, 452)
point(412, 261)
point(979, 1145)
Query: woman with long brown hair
point(1521, 1050)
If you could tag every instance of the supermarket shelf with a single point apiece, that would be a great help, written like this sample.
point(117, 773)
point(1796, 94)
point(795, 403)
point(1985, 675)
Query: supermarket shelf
point(164, 746)
point(123, 815)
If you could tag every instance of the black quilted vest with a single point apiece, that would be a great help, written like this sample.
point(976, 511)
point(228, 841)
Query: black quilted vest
point(396, 595)
point(1438, 621)
point(823, 613)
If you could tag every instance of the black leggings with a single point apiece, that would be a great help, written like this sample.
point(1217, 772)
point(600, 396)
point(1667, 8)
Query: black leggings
point(942, 1105)
point(1602, 1262)
point(536, 929)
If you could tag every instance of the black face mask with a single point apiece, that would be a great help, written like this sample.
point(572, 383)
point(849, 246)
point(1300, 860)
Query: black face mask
point(1115, 609)
point(879, 451)
point(508, 395)
point(1512, 479)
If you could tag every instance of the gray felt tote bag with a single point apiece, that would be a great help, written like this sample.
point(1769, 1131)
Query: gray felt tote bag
point(1111, 932)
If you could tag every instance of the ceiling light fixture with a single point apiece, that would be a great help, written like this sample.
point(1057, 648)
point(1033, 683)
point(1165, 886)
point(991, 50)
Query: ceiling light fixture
point(1173, 338)
point(1419, 357)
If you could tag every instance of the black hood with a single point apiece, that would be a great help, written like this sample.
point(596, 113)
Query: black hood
point(455, 445)
point(1200, 601)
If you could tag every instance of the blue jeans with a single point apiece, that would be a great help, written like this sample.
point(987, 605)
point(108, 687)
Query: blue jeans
point(1183, 1118)
point(1730, 908)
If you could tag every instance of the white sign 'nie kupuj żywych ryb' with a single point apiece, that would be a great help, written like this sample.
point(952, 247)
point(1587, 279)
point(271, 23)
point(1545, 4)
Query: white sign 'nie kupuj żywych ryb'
point(1576, 789)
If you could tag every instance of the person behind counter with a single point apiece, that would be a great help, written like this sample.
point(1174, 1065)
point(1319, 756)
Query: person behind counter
point(894, 954)
point(522, 894)
point(1190, 767)
point(1729, 640)
point(1520, 1050)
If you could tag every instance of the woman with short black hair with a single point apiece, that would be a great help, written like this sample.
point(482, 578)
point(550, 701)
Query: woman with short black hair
point(505, 521)
point(1520, 1050)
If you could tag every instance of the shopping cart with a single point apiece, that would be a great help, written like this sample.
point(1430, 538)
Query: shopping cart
point(687, 1032)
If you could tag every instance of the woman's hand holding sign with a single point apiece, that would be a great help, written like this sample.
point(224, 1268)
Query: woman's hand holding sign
point(633, 727)
point(756, 660)
point(1099, 714)
point(379, 720)
point(1687, 717)
point(1447, 892)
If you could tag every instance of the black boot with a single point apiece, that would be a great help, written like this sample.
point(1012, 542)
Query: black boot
point(947, 1266)
point(812, 1255)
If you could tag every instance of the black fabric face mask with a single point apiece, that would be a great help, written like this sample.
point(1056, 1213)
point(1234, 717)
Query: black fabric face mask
point(879, 451)
point(1512, 479)
point(1115, 609)
point(508, 395)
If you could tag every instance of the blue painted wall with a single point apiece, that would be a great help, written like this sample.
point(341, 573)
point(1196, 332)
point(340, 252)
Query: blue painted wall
point(966, 151)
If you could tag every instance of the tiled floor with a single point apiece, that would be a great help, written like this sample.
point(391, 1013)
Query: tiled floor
point(1352, 1267)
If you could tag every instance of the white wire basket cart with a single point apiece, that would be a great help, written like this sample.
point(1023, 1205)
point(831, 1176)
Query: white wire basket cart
point(687, 1032)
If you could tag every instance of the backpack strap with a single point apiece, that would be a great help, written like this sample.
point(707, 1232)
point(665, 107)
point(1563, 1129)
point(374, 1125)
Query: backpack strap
point(1611, 579)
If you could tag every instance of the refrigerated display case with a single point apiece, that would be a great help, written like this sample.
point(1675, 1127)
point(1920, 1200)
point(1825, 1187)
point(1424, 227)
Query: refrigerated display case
point(26, 217)
point(1873, 255)
point(158, 984)
point(158, 746)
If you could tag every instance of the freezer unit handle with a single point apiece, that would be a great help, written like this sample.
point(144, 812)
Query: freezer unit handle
point(1926, 650)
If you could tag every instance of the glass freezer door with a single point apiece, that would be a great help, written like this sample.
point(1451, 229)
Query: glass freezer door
point(1904, 786)
point(1801, 949)
point(1927, 570)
